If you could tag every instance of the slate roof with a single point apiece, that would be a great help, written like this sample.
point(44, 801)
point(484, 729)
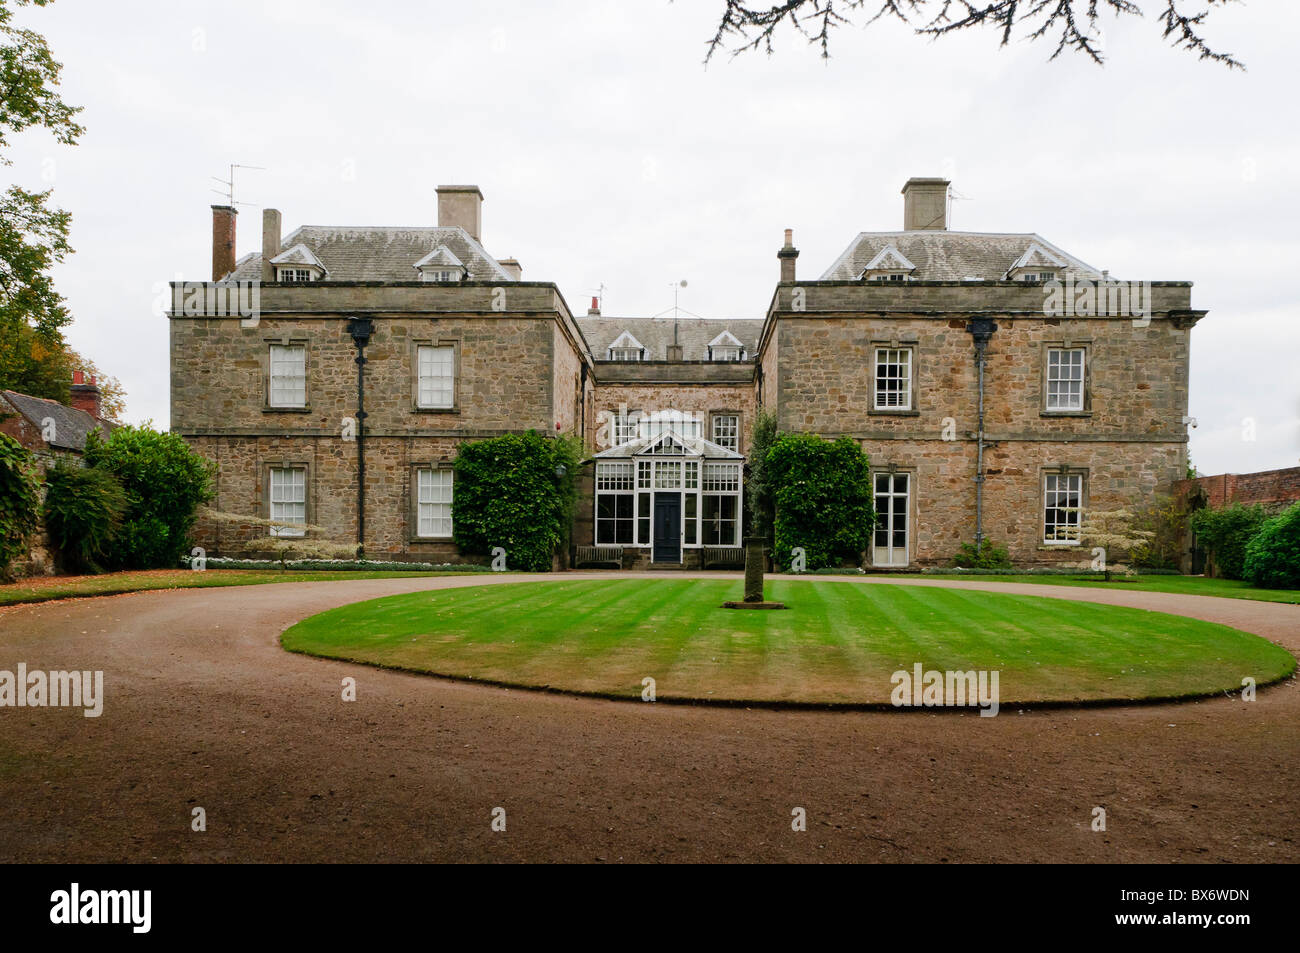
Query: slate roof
point(380, 253)
point(655, 334)
point(70, 424)
point(950, 256)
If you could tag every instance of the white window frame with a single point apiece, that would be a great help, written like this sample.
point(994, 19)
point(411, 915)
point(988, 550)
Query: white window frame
point(903, 375)
point(1053, 376)
point(433, 502)
point(286, 373)
point(287, 496)
point(890, 276)
point(625, 426)
point(626, 353)
point(293, 273)
point(1058, 486)
point(725, 431)
point(435, 391)
point(439, 275)
point(725, 352)
point(615, 480)
point(887, 503)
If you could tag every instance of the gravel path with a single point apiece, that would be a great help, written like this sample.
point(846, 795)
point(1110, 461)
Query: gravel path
point(203, 709)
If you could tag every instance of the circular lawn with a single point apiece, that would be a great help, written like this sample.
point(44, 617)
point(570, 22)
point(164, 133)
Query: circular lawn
point(837, 643)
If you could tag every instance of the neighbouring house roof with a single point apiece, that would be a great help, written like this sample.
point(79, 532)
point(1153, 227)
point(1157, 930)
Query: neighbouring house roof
point(950, 256)
point(643, 446)
point(379, 253)
point(71, 426)
point(655, 334)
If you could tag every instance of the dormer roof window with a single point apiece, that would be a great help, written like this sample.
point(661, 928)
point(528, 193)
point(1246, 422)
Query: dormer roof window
point(890, 264)
point(441, 265)
point(298, 263)
point(1036, 264)
point(726, 347)
point(626, 348)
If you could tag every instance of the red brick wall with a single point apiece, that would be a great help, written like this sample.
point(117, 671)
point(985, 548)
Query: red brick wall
point(1266, 486)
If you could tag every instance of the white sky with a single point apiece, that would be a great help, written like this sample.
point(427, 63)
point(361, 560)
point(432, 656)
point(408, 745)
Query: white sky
point(608, 154)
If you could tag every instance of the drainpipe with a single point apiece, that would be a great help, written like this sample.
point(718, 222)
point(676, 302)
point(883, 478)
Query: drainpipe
point(361, 329)
point(981, 330)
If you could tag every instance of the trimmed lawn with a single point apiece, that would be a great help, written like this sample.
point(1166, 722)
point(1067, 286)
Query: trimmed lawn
point(46, 588)
point(838, 643)
point(1186, 585)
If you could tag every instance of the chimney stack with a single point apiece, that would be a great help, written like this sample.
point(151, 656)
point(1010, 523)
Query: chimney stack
point(512, 268)
point(925, 205)
point(594, 310)
point(223, 240)
point(85, 394)
point(461, 205)
point(787, 256)
point(270, 241)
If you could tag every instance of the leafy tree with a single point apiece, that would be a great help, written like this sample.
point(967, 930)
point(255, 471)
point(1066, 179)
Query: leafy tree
point(84, 509)
point(33, 234)
point(1273, 554)
point(822, 493)
point(165, 483)
point(516, 492)
point(19, 501)
point(1224, 532)
point(758, 488)
point(1073, 25)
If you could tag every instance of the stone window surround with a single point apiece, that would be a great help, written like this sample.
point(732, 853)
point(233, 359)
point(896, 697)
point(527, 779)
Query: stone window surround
point(1084, 344)
point(265, 464)
point(1066, 470)
point(414, 357)
point(286, 340)
point(740, 425)
point(413, 500)
point(912, 344)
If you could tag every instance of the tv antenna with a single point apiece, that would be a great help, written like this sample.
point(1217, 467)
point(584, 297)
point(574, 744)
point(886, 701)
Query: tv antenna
point(954, 196)
point(600, 295)
point(229, 191)
point(677, 286)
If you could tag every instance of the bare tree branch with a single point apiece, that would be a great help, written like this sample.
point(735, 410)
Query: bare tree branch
point(1074, 24)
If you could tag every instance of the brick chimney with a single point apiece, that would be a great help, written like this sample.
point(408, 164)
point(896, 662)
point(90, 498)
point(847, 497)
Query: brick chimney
point(594, 310)
point(270, 241)
point(925, 205)
point(787, 256)
point(223, 240)
point(512, 268)
point(85, 394)
point(461, 205)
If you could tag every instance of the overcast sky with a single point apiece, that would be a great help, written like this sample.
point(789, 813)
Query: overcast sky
point(608, 154)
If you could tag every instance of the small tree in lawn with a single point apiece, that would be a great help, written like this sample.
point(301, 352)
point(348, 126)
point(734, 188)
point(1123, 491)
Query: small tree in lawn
point(307, 542)
point(1114, 531)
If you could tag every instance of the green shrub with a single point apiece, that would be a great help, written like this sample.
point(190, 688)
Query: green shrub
point(165, 482)
point(1166, 519)
point(989, 556)
point(19, 501)
point(84, 508)
point(822, 494)
point(508, 494)
point(1273, 554)
point(1224, 532)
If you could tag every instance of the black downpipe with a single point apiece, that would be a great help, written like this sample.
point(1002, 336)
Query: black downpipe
point(361, 329)
point(981, 329)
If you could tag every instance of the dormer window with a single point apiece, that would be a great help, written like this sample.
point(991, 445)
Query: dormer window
point(726, 347)
point(299, 263)
point(626, 348)
point(440, 265)
point(889, 264)
point(1036, 264)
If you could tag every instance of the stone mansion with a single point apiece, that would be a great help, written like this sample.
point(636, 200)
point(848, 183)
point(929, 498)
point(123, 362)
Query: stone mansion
point(999, 385)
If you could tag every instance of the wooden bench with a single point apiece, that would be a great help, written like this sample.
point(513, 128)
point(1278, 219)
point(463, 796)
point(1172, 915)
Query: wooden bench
point(717, 557)
point(598, 557)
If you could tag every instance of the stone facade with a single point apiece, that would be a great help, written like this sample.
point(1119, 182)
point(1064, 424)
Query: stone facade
point(522, 361)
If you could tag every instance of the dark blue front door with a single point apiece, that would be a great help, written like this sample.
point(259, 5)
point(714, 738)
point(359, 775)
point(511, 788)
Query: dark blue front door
point(667, 528)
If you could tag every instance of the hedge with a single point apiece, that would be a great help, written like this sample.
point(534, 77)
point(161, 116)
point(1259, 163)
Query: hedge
point(516, 492)
point(19, 501)
point(1224, 532)
point(822, 493)
point(84, 509)
point(1273, 554)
